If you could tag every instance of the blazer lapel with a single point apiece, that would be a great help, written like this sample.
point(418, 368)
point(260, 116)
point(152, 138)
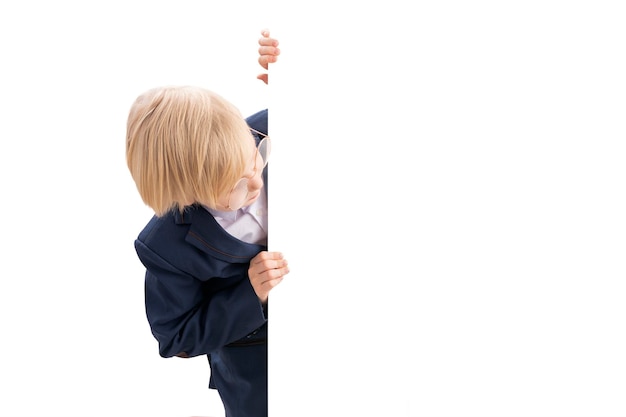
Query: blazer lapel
point(207, 235)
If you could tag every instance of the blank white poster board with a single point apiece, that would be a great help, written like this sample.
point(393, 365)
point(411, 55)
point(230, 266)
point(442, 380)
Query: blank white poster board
point(449, 188)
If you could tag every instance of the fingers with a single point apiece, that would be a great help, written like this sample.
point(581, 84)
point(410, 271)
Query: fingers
point(268, 55)
point(266, 40)
point(269, 262)
point(268, 50)
point(266, 271)
point(265, 255)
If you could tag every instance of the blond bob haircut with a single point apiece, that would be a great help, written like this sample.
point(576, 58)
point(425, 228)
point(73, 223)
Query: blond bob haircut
point(185, 145)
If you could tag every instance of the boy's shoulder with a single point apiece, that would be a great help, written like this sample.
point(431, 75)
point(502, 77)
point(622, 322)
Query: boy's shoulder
point(170, 222)
point(258, 121)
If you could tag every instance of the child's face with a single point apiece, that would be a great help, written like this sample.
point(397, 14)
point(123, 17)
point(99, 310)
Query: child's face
point(248, 188)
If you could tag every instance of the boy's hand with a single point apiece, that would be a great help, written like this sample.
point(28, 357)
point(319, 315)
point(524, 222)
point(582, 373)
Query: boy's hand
point(268, 52)
point(266, 271)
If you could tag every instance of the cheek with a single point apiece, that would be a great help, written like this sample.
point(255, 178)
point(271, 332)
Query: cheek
point(256, 182)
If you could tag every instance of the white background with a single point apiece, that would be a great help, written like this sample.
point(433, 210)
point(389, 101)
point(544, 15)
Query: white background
point(447, 183)
point(75, 341)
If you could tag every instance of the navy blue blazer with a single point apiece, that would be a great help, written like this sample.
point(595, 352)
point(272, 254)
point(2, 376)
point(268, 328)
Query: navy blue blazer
point(199, 300)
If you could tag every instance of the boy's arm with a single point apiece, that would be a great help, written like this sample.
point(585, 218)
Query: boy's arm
point(186, 317)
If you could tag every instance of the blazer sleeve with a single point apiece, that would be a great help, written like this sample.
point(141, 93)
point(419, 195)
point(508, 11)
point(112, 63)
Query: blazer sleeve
point(191, 317)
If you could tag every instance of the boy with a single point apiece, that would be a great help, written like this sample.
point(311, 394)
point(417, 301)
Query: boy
point(200, 166)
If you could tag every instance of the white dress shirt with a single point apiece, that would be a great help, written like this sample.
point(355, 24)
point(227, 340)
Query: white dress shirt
point(248, 224)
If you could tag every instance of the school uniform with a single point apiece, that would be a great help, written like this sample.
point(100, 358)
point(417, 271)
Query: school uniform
point(199, 300)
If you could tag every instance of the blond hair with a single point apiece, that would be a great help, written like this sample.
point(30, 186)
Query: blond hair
point(185, 145)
